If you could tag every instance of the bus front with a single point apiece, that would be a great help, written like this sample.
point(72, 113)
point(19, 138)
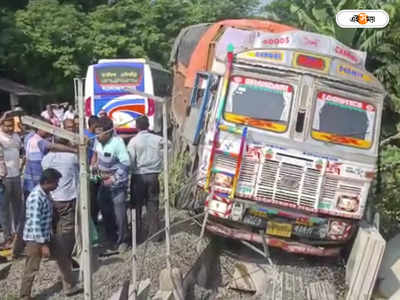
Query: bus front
point(106, 87)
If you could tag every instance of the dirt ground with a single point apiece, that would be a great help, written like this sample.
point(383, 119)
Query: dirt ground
point(208, 273)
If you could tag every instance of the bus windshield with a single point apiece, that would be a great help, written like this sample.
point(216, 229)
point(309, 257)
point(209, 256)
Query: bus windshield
point(258, 103)
point(343, 121)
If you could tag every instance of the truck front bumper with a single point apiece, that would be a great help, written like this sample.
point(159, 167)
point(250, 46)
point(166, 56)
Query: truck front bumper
point(286, 245)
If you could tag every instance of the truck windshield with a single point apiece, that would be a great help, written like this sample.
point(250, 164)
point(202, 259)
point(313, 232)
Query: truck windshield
point(343, 121)
point(258, 103)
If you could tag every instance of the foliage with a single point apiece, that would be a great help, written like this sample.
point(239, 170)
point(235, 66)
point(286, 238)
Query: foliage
point(15, 4)
point(11, 297)
point(148, 28)
point(320, 16)
point(58, 41)
point(85, 5)
point(177, 179)
point(11, 41)
point(46, 43)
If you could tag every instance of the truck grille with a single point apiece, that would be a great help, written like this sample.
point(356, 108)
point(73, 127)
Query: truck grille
point(267, 179)
point(298, 185)
point(350, 189)
point(330, 188)
point(309, 191)
point(248, 176)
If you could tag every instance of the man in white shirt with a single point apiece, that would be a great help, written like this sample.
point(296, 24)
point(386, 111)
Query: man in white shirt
point(47, 112)
point(58, 111)
point(145, 150)
point(69, 114)
point(65, 196)
point(12, 209)
point(49, 115)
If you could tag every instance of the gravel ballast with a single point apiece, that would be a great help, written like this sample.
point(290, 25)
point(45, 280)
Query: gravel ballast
point(208, 276)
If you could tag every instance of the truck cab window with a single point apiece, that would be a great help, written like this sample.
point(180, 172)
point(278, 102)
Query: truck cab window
point(343, 121)
point(258, 103)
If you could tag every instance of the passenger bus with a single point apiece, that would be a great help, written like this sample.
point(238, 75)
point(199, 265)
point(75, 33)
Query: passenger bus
point(106, 89)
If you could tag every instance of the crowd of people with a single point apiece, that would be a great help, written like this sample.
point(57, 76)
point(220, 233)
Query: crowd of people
point(39, 189)
point(56, 114)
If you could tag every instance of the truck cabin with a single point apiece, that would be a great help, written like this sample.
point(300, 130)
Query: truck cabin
point(312, 123)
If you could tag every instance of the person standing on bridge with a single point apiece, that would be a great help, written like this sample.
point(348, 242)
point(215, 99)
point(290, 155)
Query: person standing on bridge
point(111, 159)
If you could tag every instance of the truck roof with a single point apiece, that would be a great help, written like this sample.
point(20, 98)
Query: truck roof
point(197, 47)
point(191, 49)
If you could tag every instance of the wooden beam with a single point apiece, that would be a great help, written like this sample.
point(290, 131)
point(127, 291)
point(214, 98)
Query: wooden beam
point(155, 98)
point(39, 124)
point(84, 194)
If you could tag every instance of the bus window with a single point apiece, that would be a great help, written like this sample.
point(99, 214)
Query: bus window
point(258, 103)
point(117, 77)
point(343, 121)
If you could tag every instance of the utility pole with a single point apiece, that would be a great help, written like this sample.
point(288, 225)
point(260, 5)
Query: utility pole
point(84, 202)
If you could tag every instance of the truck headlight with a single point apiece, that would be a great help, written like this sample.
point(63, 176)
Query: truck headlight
point(349, 203)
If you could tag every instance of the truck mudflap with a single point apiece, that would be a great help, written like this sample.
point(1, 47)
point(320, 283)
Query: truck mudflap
point(288, 246)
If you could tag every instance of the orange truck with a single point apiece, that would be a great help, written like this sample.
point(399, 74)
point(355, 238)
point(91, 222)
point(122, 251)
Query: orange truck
point(283, 129)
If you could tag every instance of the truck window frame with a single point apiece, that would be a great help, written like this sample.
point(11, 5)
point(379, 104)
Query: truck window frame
point(355, 97)
point(287, 123)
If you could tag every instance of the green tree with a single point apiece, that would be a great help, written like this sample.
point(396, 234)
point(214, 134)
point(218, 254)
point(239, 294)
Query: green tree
point(11, 43)
point(58, 44)
point(148, 28)
point(85, 5)
point(320, 16)
point(14, 5)
point(59, 39)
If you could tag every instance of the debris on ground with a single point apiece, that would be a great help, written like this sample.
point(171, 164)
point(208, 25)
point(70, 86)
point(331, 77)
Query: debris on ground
point(207, 274)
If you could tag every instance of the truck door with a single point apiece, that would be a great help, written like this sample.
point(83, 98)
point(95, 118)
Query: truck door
point(198, 107)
